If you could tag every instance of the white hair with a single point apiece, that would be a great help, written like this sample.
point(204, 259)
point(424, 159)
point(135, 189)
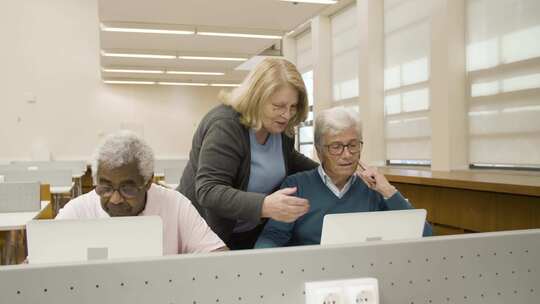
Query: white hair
point(335, 120)
point(122, 148)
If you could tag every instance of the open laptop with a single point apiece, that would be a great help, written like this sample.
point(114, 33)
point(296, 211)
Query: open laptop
point(59, 241)
point(373, 226)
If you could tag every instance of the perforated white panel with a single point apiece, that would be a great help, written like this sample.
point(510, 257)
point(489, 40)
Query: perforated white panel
point(479, 268)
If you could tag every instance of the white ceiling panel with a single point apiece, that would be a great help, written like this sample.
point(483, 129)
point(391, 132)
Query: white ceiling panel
point(119, 18)
point(139, 41)
point(198, 65)
point(261, 14)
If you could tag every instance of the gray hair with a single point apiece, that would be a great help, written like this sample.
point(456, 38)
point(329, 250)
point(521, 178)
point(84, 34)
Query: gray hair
point(335, 120)
point(122, 148)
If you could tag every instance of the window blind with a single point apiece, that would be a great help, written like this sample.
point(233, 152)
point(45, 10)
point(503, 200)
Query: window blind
point(503, 66)
point(406, 80)
point(344, 46)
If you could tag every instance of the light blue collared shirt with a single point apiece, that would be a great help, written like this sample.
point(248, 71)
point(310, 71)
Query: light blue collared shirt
point(330, 184)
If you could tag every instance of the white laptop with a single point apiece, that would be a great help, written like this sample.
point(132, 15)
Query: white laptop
point(373, 226)
point(59, 241)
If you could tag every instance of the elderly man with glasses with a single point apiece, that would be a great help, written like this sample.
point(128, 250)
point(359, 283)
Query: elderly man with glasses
point(334, 187)
point(124, 169)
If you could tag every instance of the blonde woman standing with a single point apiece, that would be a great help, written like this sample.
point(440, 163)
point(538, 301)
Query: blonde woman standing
point(242, 151)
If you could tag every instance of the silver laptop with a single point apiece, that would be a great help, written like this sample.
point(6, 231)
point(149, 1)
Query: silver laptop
point(373, 226)
point(59, 241)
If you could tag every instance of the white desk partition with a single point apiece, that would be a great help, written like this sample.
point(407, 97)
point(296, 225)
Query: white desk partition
point(501, 267)
point(55, 178)
point(60, 181)
point(9, 167)
point(20, 197)
point(18, 220)
point(78, 168)
point(172, 176)
point(161, 164)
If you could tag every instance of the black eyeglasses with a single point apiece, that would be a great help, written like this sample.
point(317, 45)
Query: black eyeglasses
point(337, 148)
point(126, 191)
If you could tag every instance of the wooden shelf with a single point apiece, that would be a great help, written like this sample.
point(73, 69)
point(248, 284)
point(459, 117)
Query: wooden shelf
point(513, 182)
point(471, 200)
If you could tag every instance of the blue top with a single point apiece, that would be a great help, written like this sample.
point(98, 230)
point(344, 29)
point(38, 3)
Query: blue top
point(306, 230)
point(267, 170)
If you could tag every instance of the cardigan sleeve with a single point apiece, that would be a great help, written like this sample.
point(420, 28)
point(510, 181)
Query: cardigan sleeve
point(219, 164)
point(296, 161)
point(276, 233)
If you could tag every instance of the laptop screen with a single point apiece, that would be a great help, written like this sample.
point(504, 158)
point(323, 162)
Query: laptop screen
point(58, 241)
point(373, 226)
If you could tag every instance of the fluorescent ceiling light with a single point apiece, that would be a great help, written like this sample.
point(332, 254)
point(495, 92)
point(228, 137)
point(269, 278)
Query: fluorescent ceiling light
point(145, 30)
point(178, 30)
point(134, 55)
point(239, 35)
point(224, 85)
point(313, 1)
point(133, 71)
point(195, 84)
point(128, 82)
point(194, 73)
point(212, 58)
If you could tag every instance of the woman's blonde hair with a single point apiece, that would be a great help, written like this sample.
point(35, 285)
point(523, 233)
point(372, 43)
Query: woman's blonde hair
point(264, 80)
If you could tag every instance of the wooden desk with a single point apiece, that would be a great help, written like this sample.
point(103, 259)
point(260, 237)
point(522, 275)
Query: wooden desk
point(12, 228)
point(472, 201)
point(60, 196)
point(18, 220)
point(77, 181)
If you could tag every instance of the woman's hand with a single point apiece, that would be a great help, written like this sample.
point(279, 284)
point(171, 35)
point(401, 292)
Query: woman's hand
point(282, 206)
point(375, 180)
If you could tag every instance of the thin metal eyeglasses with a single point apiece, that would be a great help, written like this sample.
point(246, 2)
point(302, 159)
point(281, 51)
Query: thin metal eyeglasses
point(282, 109)
point(337, 148)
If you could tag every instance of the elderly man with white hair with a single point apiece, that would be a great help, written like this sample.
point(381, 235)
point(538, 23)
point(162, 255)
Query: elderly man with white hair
point(334, 186)
point(124, 170)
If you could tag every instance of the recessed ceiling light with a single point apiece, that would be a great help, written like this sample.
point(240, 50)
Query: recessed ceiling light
point(239, 35)
point(133, 71)
point(224, 85)
point(195, 84)
point(135, 55)
point(312, 1)
point(128, 82)
point(212, 58)
point(194, 73)
point(144, 30)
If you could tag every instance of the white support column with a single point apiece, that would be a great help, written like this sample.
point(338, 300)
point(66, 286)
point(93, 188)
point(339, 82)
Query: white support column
point(322, 65)
point(448, 86)
point(371, 79)
point(288, 49)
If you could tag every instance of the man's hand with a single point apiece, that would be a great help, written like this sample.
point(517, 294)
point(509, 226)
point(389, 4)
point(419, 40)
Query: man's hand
point(375, 180)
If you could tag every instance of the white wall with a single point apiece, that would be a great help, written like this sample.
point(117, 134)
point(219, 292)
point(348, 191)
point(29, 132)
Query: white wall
point(51, 50)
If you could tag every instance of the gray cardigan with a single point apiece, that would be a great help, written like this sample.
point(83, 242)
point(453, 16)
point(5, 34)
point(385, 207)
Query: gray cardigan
point(217, 174)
